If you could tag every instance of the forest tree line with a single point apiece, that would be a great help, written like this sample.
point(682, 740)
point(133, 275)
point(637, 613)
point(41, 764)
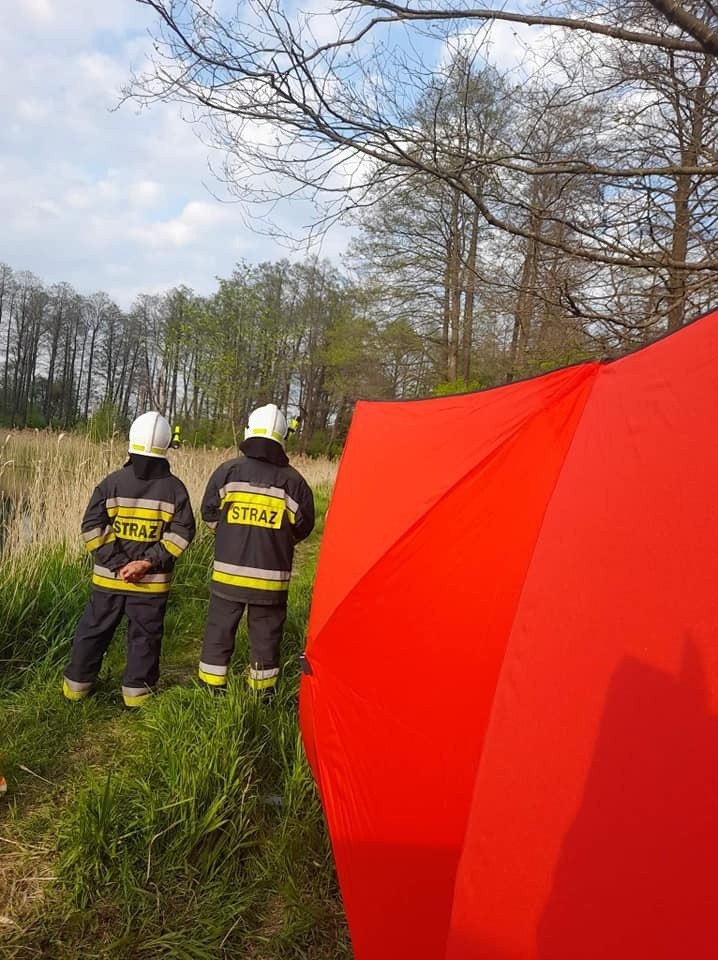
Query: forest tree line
point(295, 334)
point(505, 222)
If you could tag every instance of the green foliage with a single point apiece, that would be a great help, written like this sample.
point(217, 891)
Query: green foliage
point(456, 386)
point(107, 422)
point(208, 433)
point(40, 604)
point(322, 444)
point(565, 356)
point(39, 725)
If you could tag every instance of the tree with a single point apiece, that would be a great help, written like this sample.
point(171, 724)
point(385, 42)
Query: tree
point(692, 20)
point(8, 290)
point(24, 332)
point(352, 99)
point(97, 310)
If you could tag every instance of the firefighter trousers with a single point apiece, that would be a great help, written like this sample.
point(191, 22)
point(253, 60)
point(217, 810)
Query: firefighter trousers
point(145, 616)
point(265, 624)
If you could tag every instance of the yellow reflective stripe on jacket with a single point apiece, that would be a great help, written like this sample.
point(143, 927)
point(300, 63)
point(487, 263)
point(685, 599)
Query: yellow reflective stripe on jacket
point(174, 543)
point(119, 584)
point(171, 547)
point(292, 509)
point(254, 583)
point(93, 545)
point(176, 539)
point(151, 583)
point(88, 535)
point(98, 537)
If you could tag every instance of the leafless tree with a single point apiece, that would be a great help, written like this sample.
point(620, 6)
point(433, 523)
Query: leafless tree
point(332, 114)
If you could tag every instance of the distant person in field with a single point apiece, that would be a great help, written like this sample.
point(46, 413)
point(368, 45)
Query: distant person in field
point(138, 522)
point(259, 508)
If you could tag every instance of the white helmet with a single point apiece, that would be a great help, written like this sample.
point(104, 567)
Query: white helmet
point(269, 422)
point(150, 435)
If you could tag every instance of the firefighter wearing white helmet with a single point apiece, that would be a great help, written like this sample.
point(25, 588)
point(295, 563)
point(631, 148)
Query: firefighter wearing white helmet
point(150, 435)
point(267, 421)
point(138, 521)
point(259, 507)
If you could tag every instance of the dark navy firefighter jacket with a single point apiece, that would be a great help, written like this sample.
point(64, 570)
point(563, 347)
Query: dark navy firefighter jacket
point(259, 508)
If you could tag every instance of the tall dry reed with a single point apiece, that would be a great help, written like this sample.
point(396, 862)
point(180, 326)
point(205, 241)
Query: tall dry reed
point(47, 479)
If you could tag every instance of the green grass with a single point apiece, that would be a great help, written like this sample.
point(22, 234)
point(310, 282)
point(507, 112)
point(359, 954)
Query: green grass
point(190, 829)
point(39, 604)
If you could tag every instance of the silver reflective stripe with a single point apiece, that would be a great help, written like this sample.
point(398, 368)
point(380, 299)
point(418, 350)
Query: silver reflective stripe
point(263, 674)
point(292, 504)
point(213, 669)
point(176, 539)
point(251, 571)
point(148, 578)
point(136, 691)
point(142, 504)
point(76, 686)
point(243, 487)
point(96, 532)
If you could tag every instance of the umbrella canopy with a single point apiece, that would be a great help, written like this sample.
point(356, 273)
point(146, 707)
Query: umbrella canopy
point(512, 706)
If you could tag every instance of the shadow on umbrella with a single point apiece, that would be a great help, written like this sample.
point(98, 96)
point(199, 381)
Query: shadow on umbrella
point(636, 874)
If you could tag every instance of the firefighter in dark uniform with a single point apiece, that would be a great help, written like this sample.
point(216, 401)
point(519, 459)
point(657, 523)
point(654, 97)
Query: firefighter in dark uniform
point(137, 523)
point(259, 508)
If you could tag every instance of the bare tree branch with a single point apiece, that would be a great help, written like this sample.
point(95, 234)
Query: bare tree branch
point(704, 40)
point(677, 14)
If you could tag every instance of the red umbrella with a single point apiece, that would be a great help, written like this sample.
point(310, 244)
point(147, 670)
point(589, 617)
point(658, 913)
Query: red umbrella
point(512, 666)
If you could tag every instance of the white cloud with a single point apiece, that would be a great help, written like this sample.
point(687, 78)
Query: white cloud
point(173, 233)
point(31, 110)
point(38, 10)
point(193, 225)
point(106, 197)
point(145, 193)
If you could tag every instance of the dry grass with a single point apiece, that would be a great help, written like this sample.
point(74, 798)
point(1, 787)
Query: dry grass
point(25, 870)
point(52, 475)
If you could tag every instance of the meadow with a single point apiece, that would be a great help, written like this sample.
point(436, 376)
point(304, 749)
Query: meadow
point(190, 829)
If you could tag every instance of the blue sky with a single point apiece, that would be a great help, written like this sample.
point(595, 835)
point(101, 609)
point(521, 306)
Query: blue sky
point(109, 199)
